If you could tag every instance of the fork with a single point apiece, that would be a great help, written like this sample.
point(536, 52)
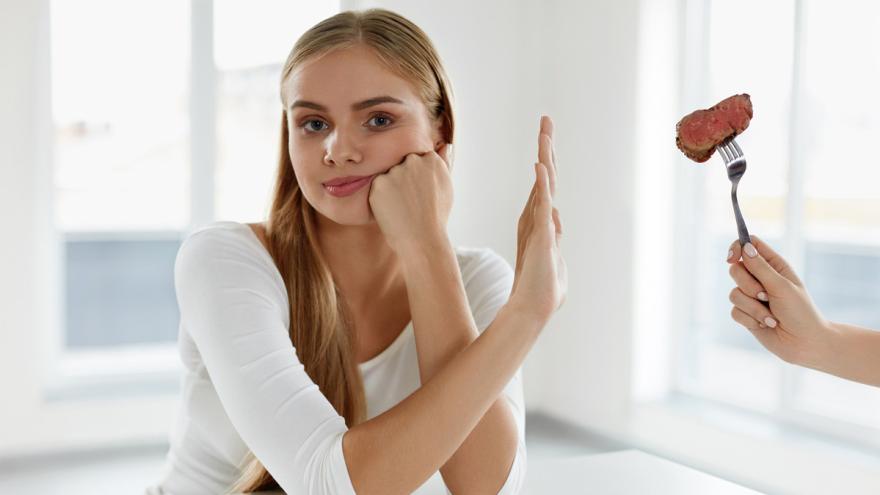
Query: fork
point(735, 162)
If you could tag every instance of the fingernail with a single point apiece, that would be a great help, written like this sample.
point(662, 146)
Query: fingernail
point(770, 322)
point(729, 254)
point(762, 296)
point(750, 250)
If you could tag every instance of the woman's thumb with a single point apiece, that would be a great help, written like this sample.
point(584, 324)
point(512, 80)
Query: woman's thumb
point(758, 266)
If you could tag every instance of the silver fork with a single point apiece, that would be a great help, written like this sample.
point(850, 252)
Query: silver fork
point(735, 162)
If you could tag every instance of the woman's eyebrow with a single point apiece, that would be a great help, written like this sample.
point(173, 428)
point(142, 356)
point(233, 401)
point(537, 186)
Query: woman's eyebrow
point(375, 101)
point(357, 106)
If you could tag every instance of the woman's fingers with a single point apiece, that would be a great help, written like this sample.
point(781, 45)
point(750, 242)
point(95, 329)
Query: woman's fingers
point(746, 282)
point(735, 252)
point(547, 126)
point(761, 269)
point(546, 154)
point(768, 337)
point(550, 130)
point(543, 197)
point(775, 260)
point(744, 319)
point(771, 262)
point(557, 222)
point(528, 209)
point(752, 307)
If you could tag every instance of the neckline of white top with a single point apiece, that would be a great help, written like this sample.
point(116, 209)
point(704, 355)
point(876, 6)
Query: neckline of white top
point(366, 365)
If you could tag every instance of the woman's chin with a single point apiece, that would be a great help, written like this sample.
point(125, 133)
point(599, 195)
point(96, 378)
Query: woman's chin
point(349, 218)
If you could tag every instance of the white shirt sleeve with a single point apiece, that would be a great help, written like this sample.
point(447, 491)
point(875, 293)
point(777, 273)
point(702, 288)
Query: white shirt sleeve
point(488, 280)
point(233, 306)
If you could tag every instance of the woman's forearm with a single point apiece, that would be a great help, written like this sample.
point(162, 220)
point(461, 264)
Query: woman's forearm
point(444, 327)
point(438, 304)
point(398, 450)
point(853, 353)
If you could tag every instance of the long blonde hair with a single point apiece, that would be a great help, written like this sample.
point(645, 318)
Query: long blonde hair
point(319, 327)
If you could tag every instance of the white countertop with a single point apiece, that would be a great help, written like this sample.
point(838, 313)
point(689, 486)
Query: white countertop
point(627, 472)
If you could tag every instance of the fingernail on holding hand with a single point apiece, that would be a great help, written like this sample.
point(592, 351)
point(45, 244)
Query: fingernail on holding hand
point(750, 250)
point(762, 296)
point(729, 255)
point(770, 322)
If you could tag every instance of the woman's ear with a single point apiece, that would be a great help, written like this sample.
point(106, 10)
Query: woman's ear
point(438, 132)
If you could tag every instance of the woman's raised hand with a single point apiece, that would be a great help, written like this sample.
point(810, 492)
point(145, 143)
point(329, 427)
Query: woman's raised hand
point(412, 200)
point(540, 278)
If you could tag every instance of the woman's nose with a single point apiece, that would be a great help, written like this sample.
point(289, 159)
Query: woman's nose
point(342, 148)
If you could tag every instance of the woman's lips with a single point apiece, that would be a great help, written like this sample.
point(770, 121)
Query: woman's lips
point(347, 188)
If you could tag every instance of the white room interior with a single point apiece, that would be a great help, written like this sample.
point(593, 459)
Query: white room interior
point(615, 76)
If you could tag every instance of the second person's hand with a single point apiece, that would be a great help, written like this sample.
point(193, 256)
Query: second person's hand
point(789, 325)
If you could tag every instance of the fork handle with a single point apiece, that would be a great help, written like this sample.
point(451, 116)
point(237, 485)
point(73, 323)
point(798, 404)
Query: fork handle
point(744, 236)
point(740, 223)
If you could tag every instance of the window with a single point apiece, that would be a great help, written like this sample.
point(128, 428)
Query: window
point(251, 42)
point(120, 107)
point(812, 71)
point(166, 117)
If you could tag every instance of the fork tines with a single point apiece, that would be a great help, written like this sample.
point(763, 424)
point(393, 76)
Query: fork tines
point(729, 150)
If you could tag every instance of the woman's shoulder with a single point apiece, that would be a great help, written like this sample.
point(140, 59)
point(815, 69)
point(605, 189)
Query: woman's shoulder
point(223, 233)
point(226, 240)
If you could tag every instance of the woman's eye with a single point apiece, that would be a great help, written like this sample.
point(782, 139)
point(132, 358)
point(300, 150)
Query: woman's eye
point(379, 121)
point(314, 125)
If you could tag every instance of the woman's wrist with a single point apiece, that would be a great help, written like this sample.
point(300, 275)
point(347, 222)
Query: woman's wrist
point(824, 349)
point(526, 312)
point(419, 254)
point(426, 243)
point(850, 352)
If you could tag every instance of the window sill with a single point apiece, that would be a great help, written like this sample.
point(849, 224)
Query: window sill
point(125, 372)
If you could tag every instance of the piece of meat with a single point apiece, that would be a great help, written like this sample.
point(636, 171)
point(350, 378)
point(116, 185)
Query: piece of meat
point(698, 133)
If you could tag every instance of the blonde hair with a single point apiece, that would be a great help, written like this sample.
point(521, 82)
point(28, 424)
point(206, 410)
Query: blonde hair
point(319, 326)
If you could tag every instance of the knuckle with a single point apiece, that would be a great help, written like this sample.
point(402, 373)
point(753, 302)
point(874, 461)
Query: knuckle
point(733, 295)
point(733, 270)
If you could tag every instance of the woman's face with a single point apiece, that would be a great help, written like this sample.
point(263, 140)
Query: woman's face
point(349, 116)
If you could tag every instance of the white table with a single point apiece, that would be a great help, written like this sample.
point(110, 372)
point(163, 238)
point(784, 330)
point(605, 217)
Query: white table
point(627, 472)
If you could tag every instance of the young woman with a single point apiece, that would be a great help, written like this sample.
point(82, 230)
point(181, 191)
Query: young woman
point(345, 345)
point(789, 325)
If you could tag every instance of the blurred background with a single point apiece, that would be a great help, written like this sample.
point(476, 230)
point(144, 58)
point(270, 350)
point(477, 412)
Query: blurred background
point(125, 124)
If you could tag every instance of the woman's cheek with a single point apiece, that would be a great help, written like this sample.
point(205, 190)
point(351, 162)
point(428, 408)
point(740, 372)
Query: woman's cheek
point(394, 147)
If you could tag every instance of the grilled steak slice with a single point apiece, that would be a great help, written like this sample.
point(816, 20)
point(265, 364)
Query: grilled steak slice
point(698, 133)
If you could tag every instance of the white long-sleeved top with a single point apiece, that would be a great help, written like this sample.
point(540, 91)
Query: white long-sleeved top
point(245, 389)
